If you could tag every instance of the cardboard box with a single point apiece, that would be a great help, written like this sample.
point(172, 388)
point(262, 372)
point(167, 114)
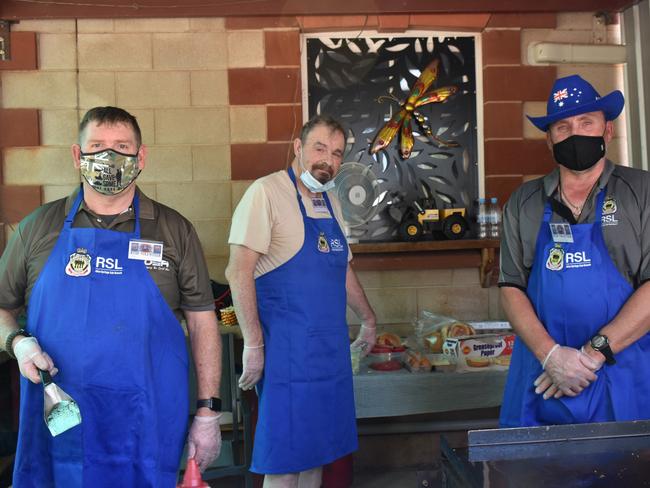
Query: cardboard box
point(483, 352)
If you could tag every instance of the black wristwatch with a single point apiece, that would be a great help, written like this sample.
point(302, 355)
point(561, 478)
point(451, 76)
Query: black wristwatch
point(600, 343)
point(10, 338)
point(213, 404)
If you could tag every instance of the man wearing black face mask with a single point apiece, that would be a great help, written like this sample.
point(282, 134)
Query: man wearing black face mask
point(574, 269)
point(106, 275)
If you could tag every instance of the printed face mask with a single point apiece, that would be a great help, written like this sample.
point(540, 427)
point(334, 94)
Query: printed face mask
point(579, 153)
point(312, 184)
point(109, 172)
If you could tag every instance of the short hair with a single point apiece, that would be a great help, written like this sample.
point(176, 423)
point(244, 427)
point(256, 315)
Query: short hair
point(317, 120)
point(110, 116)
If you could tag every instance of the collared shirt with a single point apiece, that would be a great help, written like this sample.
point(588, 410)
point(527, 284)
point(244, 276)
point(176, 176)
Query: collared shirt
point(182, 276)
point(626, 229)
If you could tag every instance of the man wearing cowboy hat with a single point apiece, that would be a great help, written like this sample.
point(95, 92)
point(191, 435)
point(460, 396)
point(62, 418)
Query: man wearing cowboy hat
point(575, 261)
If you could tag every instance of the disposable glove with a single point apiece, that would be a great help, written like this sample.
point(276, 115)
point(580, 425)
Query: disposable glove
point(365, 340)
point(31, 357)
point(253, 362)
point(204, 440)
point(567, 372)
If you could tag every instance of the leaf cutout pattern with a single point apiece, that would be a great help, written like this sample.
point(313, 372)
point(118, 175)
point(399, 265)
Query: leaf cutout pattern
point(426, 166)
point(346, 76)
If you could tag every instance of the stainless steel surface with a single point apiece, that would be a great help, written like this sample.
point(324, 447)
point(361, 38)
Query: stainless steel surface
point(387, 394)
point(612, 454)
point(496, 444)
point(418, 427)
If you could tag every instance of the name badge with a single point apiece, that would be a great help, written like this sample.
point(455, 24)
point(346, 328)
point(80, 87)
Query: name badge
point(146, 250)
point(320, 205)
point(561, 232)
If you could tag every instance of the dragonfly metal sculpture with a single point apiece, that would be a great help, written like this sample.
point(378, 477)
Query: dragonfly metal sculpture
point(401, 120)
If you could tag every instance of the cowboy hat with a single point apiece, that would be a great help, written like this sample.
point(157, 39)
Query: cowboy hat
point(573, 95)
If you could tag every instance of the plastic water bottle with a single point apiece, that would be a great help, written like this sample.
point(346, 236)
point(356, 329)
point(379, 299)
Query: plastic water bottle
point(482, 219)
point(494, 219)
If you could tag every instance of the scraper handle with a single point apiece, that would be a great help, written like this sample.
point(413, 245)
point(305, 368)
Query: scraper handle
point(46, 379)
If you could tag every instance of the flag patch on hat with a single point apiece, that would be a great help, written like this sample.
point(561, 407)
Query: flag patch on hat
point(560, 95)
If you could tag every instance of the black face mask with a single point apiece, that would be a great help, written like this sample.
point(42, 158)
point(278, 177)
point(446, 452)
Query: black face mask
point(579, 153)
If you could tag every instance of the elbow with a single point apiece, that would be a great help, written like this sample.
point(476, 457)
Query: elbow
point(230, 273)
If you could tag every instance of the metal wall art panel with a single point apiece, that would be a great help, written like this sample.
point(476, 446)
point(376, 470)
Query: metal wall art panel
point(364, 82)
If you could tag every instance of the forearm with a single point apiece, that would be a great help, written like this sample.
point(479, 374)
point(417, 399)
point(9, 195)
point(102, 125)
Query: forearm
point(632, 322)
point(205, 342)
point(244, 299)
point(525, 322)
point(240, 273)
point(8, 325)
point(357, 299)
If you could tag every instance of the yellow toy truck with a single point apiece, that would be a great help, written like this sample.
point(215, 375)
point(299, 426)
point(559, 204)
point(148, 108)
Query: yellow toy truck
point(421, 218)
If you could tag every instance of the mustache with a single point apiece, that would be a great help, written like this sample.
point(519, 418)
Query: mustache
point(322, 166)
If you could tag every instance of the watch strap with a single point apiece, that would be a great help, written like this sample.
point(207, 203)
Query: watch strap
point(212, 403)
point(606, 351)
point(10, 339)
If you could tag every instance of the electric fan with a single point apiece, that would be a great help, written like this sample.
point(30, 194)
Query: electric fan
point(357, 189)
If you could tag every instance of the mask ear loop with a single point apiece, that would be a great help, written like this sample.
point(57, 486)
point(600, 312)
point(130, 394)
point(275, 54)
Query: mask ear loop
point(302, 164)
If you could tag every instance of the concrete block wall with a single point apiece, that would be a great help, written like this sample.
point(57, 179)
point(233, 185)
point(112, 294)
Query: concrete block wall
point(219, 101)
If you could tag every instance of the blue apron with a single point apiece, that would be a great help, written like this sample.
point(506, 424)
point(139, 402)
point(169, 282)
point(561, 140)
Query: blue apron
point(574, 303)
point(121, 355)
point(306, 400)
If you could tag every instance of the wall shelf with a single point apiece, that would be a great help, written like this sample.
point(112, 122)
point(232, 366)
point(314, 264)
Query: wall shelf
point(464, 253)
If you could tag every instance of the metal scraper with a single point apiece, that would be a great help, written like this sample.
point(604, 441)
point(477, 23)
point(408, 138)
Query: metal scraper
point(60, 411)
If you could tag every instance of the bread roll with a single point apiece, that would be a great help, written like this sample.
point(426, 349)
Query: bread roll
point(389, 339)
point(459, 329)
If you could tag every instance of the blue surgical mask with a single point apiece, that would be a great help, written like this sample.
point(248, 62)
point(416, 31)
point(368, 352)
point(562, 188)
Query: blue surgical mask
point(312, 184)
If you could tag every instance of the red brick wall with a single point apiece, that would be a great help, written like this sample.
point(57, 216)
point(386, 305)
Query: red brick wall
point(509, 158)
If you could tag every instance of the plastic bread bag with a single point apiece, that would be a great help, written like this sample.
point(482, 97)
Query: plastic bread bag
point(431, 330)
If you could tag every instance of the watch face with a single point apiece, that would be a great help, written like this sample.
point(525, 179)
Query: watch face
point(598, 341)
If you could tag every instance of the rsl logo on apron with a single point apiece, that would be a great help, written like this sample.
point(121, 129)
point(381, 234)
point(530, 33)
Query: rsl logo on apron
point(609, 210)
point(323, 246)
point(609, 206)
point(555, 261)
point(79, 263)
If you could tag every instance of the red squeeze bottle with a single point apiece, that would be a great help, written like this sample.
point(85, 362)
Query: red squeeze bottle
point(192, 478)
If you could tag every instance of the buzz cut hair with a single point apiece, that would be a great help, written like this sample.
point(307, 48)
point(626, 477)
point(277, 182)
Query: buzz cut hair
point(110, 116)
point(317, 120)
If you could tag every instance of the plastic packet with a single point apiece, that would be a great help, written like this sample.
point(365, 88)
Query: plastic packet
point(431, 330)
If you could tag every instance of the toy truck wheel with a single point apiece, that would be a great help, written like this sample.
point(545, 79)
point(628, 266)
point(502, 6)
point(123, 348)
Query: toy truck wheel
point(410, 230)
point(454, 227)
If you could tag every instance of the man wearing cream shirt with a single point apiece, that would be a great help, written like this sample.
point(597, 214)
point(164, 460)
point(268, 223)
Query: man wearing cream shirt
point(291, 280)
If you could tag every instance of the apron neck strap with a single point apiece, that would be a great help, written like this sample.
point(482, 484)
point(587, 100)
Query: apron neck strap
point(292, 175)
point(77, 203)
point(73, 210)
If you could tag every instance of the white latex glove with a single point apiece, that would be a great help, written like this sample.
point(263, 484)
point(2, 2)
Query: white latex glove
point(204, 440)
point(31, 358)
point(366, 339)
point(545, 384)
point(568, 371)
point(253, 362)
